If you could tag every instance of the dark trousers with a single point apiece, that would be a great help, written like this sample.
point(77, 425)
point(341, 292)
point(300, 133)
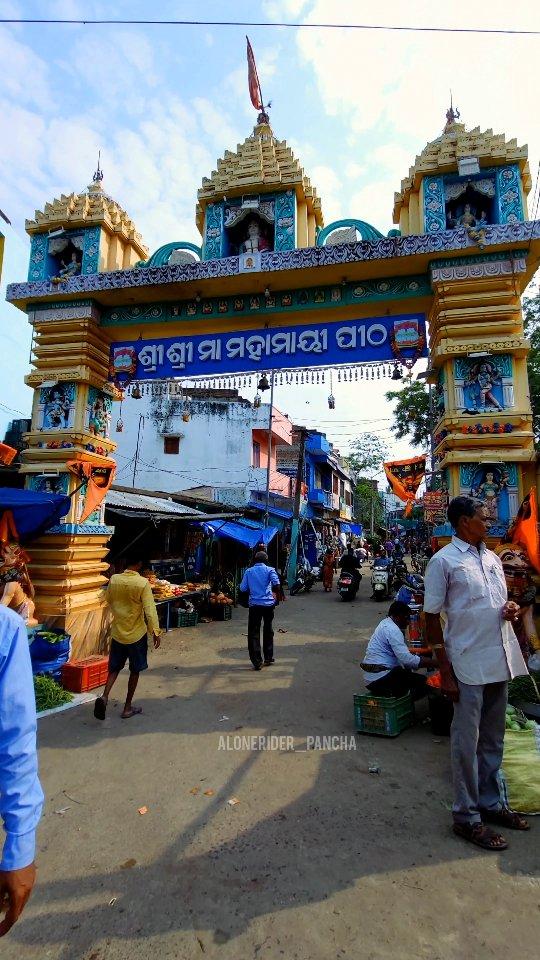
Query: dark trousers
point(399, 682)
point(258, 615)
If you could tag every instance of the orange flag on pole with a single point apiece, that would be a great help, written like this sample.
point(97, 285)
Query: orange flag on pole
point(524, 529)
point(404, 477)
point(253, 79)
point(7, 454)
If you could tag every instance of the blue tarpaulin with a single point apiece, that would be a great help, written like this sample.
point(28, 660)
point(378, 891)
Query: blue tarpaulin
point(33, 512)
point(248, 533)
point(355, 528)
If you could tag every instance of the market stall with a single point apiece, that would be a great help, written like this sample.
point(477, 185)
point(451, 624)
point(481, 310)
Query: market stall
point(232, 544)
point(174, 551)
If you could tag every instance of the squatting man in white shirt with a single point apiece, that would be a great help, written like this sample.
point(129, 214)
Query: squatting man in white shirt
point(477, 653)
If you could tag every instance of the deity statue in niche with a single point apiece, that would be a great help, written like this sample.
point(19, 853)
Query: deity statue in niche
point(489, 484)
point(57, 406)
point(99, 416)
point(254, 240)
point(467, 219)
point(479, 387)
point(71, 268)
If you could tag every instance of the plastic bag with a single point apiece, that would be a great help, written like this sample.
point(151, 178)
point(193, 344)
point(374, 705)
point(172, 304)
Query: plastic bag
point(521, 770)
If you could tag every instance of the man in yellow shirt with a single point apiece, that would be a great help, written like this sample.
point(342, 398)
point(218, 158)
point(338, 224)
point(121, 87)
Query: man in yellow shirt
point(134, 616)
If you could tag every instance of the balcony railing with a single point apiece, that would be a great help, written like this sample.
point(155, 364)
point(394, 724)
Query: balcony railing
point(321, 497)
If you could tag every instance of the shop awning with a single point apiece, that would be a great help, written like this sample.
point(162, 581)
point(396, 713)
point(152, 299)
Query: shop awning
point(33, 512)
point(354, 528)
point(274, 511)
point(247, 532)
point(157, 508)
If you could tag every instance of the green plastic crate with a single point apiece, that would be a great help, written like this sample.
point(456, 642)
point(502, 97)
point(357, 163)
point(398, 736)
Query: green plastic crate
point(221, 612)
point(186, 619)
point(383, 716)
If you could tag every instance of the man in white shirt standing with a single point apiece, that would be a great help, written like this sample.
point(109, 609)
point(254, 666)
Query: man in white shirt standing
point(477, 654)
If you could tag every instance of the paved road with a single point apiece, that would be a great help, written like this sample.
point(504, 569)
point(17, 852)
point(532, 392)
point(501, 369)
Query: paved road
point(319, 859)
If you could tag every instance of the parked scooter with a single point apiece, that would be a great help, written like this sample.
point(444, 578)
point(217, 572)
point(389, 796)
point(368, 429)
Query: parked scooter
point(347, 585)
point(380, 578)
point(304, 579)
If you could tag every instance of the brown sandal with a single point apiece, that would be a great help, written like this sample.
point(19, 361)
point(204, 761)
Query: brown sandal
point(505, 818)
point(480, 835)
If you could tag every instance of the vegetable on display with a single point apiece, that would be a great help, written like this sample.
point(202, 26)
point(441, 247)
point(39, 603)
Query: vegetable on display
point(49, 693)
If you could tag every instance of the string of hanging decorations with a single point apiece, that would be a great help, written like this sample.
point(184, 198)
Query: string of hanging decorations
point(316, 375)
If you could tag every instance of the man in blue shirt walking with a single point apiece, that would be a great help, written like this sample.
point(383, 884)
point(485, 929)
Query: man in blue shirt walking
point(21, 797)
point(258, 582)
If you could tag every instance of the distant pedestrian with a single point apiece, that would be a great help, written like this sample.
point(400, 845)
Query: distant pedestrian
point(21, 797)
point(478, 653)
point(260, 581)
point(134, 614)
point(328, 569)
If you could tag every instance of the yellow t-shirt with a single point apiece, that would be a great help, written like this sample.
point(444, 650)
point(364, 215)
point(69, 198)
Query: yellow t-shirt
point(133, 608)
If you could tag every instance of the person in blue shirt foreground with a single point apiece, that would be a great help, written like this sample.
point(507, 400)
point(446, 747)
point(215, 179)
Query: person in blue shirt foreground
point(259, 582)
point(21, 796)
point(388, 664)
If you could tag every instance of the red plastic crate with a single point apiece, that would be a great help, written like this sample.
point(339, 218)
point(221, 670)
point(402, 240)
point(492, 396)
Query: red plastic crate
point(81, 675)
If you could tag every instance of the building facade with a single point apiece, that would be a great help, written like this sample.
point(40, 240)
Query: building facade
point(212, 440)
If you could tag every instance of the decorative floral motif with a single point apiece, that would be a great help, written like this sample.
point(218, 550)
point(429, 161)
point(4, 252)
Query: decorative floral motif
point(509, 194)
point(214, 232)
point(284, 236)
point(388, 248)
point(434, 215)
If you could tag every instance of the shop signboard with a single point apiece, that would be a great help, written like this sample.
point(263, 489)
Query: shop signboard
point(435, 506)
point(371, 340)
point(287, 458)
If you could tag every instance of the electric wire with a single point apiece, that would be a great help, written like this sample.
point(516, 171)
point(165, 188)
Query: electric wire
point(391, 28)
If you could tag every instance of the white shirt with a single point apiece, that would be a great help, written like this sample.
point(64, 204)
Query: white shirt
point(468, 586)
point(387, 646)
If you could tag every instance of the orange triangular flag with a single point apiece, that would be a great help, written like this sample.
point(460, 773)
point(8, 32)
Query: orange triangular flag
point(524, 529)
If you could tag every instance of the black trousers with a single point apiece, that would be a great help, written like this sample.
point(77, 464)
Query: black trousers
point(399, 682)
point(258, 615)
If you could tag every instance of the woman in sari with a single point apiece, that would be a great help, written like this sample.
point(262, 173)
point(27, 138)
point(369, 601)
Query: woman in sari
point(328, 567)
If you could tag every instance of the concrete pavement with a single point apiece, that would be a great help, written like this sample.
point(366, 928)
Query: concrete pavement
point(319, 858)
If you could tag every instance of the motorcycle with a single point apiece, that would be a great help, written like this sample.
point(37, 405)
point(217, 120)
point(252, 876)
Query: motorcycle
point(380, 578)
point(347, 585)
point(304, 579)
point(398, 574)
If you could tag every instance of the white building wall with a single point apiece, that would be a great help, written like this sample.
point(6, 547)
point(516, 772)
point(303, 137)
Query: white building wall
point(215, 448)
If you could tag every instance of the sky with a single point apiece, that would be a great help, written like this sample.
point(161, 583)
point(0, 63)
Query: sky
point(162, 103)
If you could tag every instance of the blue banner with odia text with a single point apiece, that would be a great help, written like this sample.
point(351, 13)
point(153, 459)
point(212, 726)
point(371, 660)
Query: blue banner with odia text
point(317, 345)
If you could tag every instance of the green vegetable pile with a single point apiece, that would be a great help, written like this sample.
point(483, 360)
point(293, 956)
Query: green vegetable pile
point(525, 689)
point(51, 636)
point(49, 693)
point(516, 720)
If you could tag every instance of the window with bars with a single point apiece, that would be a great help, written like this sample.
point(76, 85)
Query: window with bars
point(171, 445)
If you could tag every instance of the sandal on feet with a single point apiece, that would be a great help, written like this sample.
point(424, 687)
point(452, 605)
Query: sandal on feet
point(133, 712)
point(505, 818)
point(480, 835)
point(100, 708)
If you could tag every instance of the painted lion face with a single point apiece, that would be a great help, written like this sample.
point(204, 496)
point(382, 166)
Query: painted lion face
point(516, 566)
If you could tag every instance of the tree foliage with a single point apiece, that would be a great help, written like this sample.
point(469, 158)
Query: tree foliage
point(411, 414)
point(367, 455)
point(367, 501)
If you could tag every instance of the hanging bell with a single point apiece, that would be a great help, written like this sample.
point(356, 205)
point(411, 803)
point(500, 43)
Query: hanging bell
point(119, 425)
point(331, 402)
point(356, 373)
point(396, 373)
point(257, 401)
point(339, 376)
point(136, 392)
point(263, 383)
point(378, 374)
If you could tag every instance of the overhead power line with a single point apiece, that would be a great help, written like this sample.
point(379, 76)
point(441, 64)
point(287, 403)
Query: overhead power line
point(266, 24)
